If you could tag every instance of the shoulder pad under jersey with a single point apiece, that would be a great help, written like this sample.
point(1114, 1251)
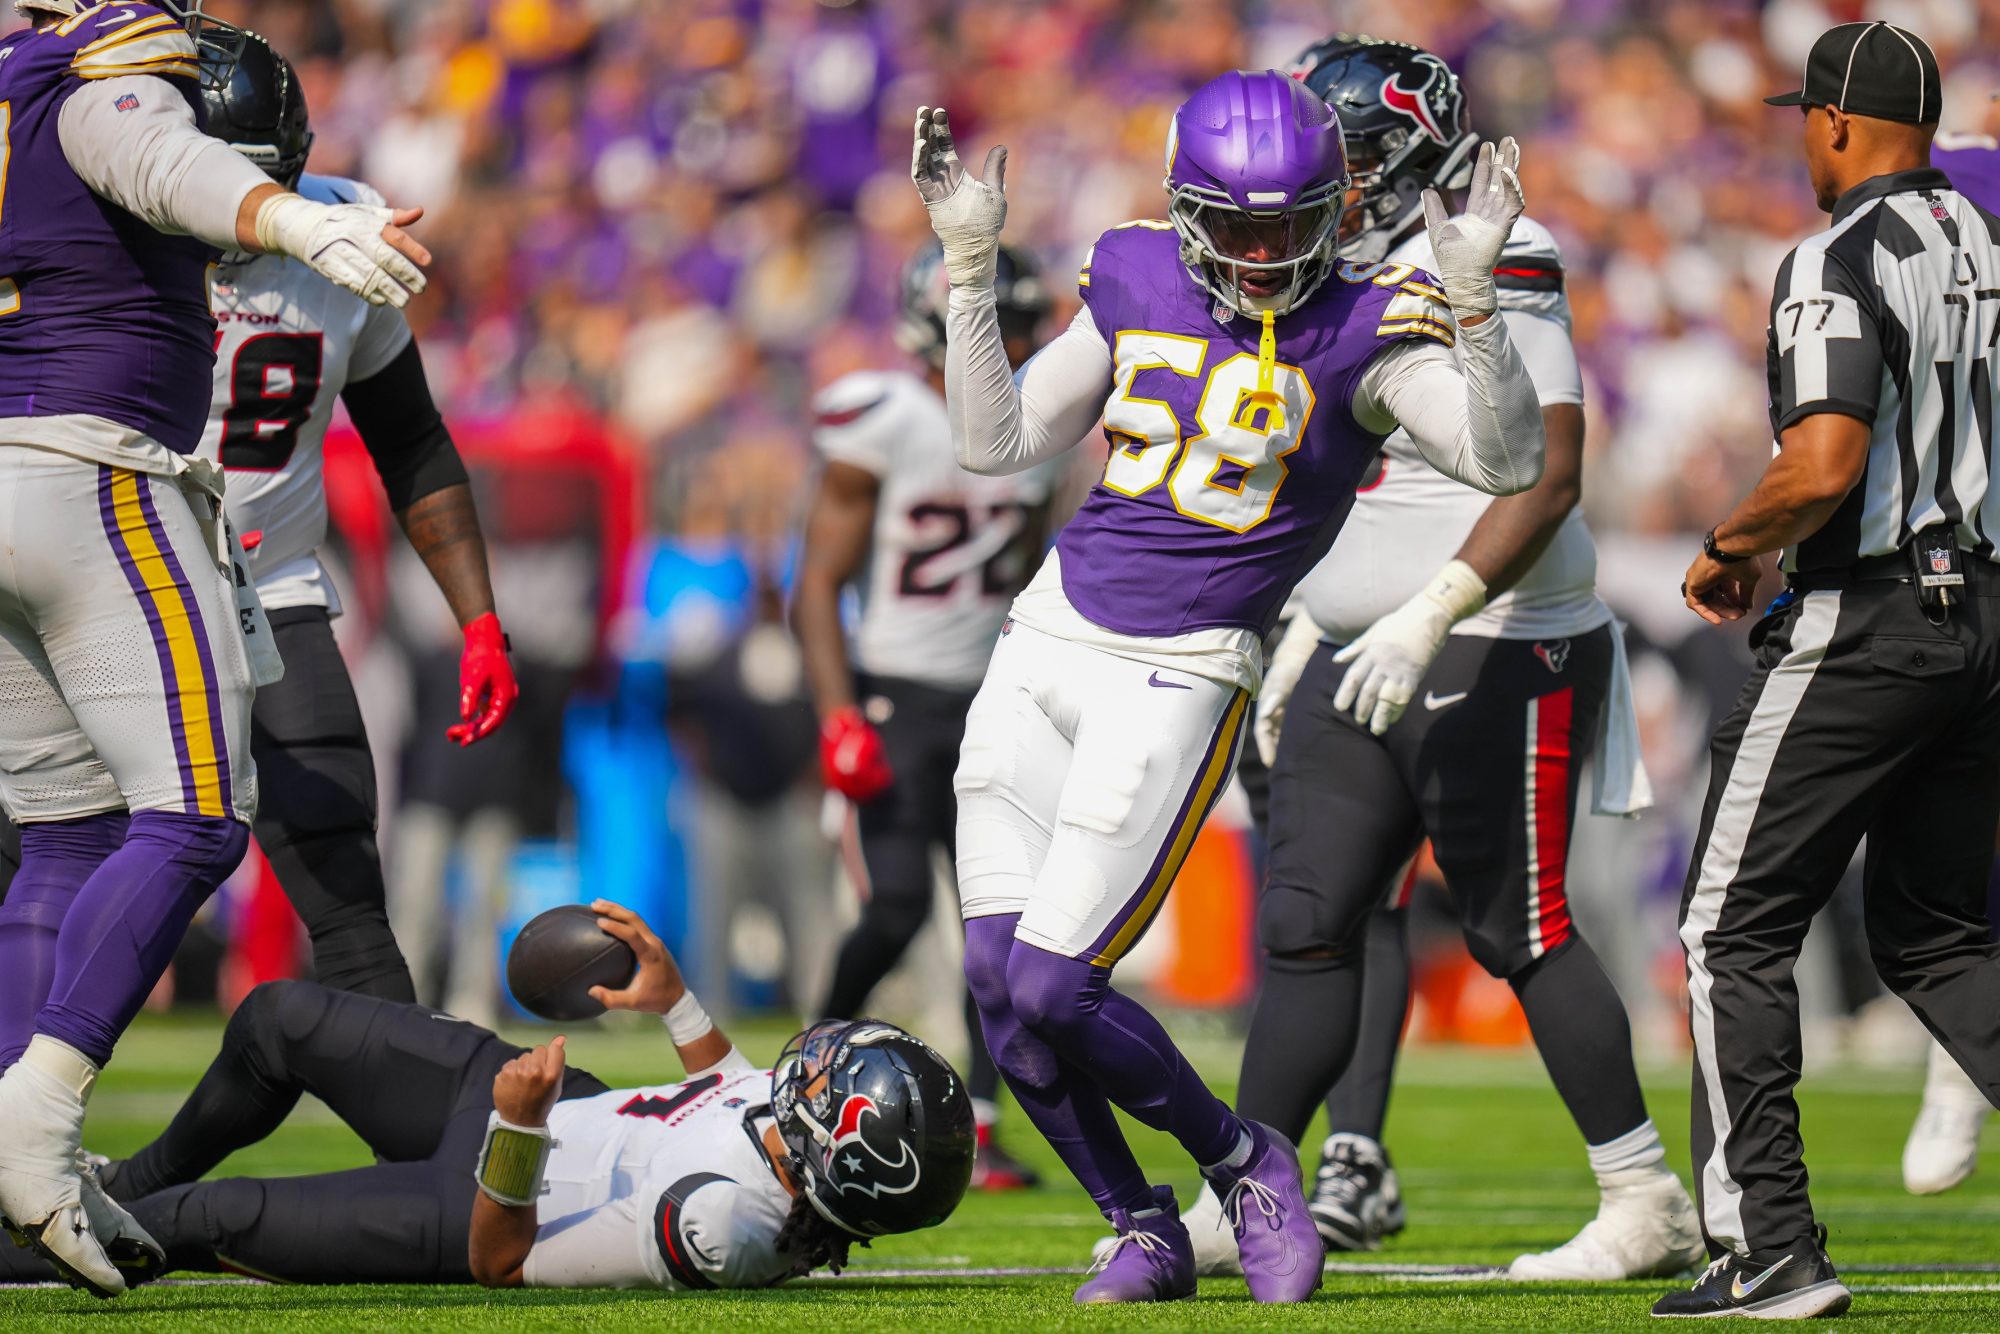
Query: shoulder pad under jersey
point(114, 39)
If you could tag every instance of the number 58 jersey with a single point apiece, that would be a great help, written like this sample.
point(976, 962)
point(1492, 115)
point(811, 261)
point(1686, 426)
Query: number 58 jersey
point(950, 548)
point(287, 343)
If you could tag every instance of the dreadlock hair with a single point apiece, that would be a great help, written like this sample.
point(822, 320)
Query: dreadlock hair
point(810, 1241)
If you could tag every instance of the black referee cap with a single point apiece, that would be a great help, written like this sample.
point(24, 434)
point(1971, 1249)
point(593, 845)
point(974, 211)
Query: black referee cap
point(1871, 69)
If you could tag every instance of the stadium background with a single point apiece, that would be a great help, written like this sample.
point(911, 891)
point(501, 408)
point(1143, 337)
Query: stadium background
point(660, 226)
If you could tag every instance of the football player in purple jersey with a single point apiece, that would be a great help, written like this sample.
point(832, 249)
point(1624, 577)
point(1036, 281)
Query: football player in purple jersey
point(129, 645)
point(1247, 380)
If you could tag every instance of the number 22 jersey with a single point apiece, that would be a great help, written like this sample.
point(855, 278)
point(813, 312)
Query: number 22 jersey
point(287, 343)
point(949, 548)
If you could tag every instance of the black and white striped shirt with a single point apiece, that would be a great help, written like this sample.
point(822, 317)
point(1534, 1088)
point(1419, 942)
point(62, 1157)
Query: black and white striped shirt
point(1891, 316)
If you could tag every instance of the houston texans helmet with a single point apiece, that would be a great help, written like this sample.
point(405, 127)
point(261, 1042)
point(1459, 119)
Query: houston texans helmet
point(877, 1126)
point(1017, 282)
point(1404, 116)
point(258, 107)
point(1257, 180)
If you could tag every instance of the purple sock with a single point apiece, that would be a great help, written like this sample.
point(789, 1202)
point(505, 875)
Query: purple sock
point(56, 858)
point(1070, 1005)
point(121, 932)
point(1069, 1110)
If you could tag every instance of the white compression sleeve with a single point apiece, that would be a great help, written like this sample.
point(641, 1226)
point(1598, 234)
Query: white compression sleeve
point(153, 161)
point(1476, 419)
point(1003, 422)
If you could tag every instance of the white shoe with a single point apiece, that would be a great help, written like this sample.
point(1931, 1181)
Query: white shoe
point(1943, 1148)
point(1645, 1230)
point(41, 1195)
point(1214, 1240)
point(126, 1243)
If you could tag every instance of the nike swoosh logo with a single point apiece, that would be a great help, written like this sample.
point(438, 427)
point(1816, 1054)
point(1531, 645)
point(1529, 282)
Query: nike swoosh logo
point(1739, 1289)
point(1434, 702)
point(1154, 680)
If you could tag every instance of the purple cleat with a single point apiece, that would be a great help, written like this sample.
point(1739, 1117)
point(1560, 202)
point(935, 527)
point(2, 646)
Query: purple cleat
point(1265, 1200)
point(1151, 1260)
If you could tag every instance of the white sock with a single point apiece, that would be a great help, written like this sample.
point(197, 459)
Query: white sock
point(1633, 1156)
point(63, 1063)
point(1237, 1156)
point(984, 1113)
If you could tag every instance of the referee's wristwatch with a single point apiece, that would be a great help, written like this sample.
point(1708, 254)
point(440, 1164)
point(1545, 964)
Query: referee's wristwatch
point(1716, 553)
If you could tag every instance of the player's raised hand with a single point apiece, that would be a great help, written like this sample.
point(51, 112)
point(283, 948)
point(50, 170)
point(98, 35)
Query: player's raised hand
point(658, 983)
point(1468, 246)
point(528, 1086)
point(967, 213)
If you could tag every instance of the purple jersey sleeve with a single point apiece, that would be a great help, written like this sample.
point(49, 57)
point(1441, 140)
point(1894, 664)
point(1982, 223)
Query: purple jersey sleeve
point(1974, 172)
point(100, 315)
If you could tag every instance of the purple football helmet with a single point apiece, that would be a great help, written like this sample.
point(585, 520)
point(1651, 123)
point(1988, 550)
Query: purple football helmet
point(1257, 179)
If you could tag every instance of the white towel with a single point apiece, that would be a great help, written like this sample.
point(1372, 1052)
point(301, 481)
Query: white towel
point(1618, 781)
point(203, 483)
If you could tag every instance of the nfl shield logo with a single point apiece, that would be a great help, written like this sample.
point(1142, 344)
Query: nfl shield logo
point(127, 103)
point(1940, 212)
point(1940, 560)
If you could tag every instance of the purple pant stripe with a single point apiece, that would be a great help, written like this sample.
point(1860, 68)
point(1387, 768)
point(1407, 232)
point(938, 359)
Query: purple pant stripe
point(1193, 806)
point(218, 732)
point(176, 722)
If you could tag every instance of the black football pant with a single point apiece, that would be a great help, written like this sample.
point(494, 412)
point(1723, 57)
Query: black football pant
point(316, 809)
point(921, 727)
point(415, 1084)
point(1486, 763)
point(1861, 717)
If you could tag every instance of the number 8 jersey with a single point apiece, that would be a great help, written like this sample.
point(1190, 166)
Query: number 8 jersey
point(288, 342)
point(950, 549)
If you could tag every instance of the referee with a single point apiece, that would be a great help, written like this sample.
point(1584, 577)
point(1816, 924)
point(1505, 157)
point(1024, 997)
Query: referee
point(1875, 704)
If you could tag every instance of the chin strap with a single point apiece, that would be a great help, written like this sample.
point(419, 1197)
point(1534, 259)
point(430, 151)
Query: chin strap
point(1266, 396)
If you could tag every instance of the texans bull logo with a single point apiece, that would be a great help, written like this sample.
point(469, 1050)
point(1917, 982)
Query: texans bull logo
point(1416, 102)
point(876, 1174)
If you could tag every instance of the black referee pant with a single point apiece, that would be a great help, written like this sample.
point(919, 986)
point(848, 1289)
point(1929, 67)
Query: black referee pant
point(416, 1086)
point(1862, 717)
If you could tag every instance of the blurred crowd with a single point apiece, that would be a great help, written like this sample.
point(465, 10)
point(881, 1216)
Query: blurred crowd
point(683, 216)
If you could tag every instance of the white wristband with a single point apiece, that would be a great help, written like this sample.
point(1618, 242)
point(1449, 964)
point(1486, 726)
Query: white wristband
point(687, 1022)
point(1457, 589)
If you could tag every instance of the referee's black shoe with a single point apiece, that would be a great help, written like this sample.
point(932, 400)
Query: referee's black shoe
point(1795, 1284)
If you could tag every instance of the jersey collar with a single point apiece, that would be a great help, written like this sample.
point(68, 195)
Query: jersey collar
point(1890, 183)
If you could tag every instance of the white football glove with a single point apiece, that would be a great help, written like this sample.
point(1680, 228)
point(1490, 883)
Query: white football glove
point(1393, 654)
point(1281, 678)
point(1468, 246)
point(966, 214)
point(342, 243)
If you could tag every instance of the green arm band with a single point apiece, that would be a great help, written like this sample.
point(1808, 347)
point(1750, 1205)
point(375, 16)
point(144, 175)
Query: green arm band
point(511, 1162)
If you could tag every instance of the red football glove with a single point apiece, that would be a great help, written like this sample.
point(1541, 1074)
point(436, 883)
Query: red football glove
point(851, 761)
point(486, 685)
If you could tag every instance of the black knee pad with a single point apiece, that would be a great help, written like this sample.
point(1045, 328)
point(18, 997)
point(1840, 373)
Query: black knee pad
point(1301, 921)
point(312, 789)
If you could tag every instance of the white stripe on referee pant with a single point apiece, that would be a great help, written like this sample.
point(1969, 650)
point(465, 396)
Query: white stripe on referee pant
point(1534, 843)
point(1784, 687)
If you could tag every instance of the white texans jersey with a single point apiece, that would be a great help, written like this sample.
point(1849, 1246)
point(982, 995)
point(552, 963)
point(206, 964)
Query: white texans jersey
point(287, 343)
point(666, 1187)
point(950, 547)
point(1409, 519)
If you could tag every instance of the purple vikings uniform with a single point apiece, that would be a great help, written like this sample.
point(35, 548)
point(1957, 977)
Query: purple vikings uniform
point(1973, 163)
point(103, 315)
point(1218, 536)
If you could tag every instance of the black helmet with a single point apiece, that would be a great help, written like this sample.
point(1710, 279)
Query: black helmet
point(1403, 115)
point(877, 1125)
point(254, 102)
point(1017, 282)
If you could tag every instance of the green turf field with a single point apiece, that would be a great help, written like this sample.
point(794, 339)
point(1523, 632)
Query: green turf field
point(1489, 1163)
